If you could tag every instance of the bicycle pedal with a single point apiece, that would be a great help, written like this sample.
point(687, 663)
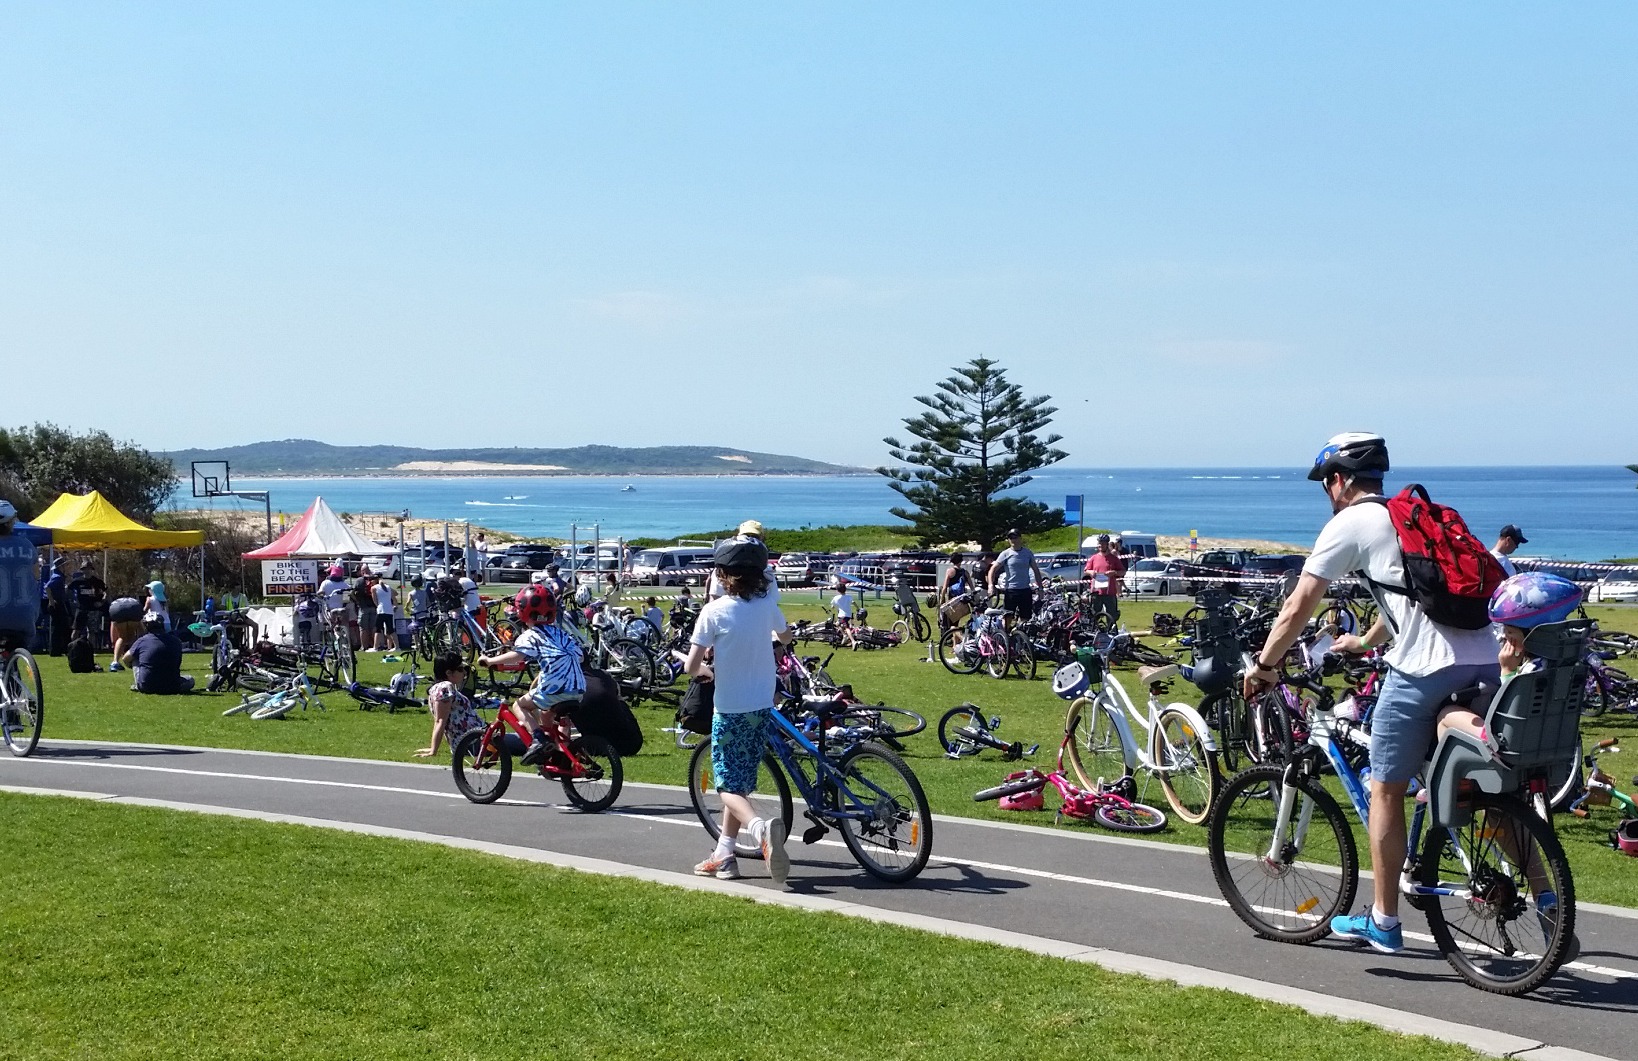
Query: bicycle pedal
point(814, 834)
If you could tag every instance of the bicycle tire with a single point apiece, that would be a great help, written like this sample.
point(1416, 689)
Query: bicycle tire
point(1292, 887)
point(1010, 788)
point(1021, 656)
point(1132, 818)
point(1095, 749)
point(629, 662)
point(1191, 780)
point(901, 819)
point(878, 714)
point(644, 632)
point(998, 661)
point(772, 795)
point(595, 794)
point(481, 773)
point(247, 703)
point(901, 628)
point(1595, 699)
point(963, 716)
point(277, 706)
point(1503, 899)
point(23, 715)
point(1574, 781)
point(1138, 652)
point(953, 659)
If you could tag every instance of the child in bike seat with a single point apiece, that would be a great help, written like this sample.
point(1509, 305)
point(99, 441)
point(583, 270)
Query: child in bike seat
point(1520, 604)
point(452, 712)
point(560, 680)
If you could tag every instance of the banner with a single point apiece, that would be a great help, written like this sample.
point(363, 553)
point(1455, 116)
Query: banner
point(286, 578)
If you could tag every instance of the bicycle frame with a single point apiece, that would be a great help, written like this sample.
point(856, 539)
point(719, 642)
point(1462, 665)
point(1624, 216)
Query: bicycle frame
point(1112, 699)
point(827, 793)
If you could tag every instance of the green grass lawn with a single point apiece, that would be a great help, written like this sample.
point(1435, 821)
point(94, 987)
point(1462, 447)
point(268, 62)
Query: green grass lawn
point(100, 706)
point(159, 934)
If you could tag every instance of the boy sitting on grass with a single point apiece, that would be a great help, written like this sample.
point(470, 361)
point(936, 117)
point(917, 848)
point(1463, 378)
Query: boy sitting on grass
point(560, 679)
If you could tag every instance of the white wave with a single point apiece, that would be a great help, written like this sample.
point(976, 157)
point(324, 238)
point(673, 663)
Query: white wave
point(499, 504)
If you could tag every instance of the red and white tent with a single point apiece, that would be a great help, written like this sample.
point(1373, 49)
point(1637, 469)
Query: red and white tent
point(318, 535)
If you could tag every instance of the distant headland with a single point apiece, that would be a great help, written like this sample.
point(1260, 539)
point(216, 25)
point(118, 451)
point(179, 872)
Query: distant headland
point(302, 457)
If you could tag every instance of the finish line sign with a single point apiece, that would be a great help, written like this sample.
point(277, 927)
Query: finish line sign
point(286, 578)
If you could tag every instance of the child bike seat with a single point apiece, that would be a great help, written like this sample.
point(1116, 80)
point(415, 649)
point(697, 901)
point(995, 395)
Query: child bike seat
point(1532, 726)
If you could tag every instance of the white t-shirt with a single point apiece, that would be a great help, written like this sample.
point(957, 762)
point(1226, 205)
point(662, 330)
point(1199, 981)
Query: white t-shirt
point(334, 592)
point(741, 632)
point(1505, 562)
point(1361, 538)
point(843, 604)
point(472, 601)
point(385, 603)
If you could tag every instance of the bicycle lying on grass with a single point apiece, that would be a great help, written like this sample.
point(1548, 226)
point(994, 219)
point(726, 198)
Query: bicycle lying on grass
point(858, 787)
point(278, 700)
point(964, 731)
point(1110, 805)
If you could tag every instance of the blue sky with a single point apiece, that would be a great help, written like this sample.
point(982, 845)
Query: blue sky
point(1215, 233)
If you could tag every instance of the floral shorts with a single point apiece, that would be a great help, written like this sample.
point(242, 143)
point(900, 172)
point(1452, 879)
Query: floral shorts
point(737, 744)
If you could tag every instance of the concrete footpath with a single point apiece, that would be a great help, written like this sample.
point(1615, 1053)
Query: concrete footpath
point(1132, 905)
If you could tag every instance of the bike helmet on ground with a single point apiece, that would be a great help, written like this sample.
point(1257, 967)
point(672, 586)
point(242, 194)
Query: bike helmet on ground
point(535, 605)
point(1351, 453)
point(1626, 837)
point(1029, 800)
point(1532, 599)
point(1070, 681)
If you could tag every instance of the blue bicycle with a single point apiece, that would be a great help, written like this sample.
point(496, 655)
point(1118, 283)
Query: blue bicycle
point(858, 787)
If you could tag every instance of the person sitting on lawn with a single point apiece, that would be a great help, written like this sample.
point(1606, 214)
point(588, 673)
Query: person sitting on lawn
point(452, 712)
point(156, 660)
point(560, 681)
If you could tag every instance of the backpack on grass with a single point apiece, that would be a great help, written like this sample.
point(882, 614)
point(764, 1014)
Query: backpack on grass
point(82, 659)
point(1448, 571)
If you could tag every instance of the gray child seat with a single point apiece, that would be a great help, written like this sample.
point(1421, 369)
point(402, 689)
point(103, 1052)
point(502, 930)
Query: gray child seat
point(1533, 726)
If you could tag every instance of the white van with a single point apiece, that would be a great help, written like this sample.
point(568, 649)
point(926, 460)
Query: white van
point(663, 567)
point(1133, 543)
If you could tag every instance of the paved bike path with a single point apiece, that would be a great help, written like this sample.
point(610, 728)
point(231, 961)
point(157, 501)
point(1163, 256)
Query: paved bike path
point(1076, 885)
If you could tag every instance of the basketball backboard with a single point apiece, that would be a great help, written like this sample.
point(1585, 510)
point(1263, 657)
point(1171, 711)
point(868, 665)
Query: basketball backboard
point(211, 479)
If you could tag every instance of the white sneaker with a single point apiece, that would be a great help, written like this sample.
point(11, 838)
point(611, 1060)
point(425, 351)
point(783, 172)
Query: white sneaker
point(773, 852)
point(720, 868)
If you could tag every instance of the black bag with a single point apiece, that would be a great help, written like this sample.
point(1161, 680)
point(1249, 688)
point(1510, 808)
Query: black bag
point(602, 713)
point(125, 610)
point(81, 658)
point(698, 704)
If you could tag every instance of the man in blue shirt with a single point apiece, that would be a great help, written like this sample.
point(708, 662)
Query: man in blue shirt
point(19, 582)
point(55, 594)
point(156, 660)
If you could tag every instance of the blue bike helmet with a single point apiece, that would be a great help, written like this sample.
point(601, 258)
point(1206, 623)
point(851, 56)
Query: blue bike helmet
point(1534, 599)
point(1070, 681)
point(1361, 453)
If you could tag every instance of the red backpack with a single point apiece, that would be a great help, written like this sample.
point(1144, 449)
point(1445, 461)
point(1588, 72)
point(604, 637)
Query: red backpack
point(1448, 571)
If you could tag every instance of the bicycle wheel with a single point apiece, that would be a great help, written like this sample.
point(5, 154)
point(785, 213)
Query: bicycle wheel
point(1021, 655)
point(599, 786)
point(1494, 931)
point(1596, 699)
point(1285, 885)
point(247, 703)
point(1225, 712)
point(23, 713)
point(1561, 798)
point(1095, 749)
point(901, 629)
point(629, 663)
point(1190, 778)
point(770, 799)
point(884, 721)
point(894, 842)
point(643, 632)
point(277, 705)
point(956, 654)
point(482, 771)
point(965, 716)
point(920, 627)
point(997, 660)
point(1132, 818)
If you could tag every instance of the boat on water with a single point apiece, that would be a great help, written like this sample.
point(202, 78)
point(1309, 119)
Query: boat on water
point(628, 489)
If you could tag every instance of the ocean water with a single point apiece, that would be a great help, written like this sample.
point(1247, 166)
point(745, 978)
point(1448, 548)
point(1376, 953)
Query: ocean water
point(1586, 513)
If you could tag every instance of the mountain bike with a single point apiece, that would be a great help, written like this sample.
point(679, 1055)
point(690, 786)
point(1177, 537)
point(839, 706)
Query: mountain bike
point(22, 700)
point(1176, 747)
point(863, 790)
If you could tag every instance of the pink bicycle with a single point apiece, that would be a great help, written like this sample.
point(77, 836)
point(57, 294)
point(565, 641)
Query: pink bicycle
point(1111, 806)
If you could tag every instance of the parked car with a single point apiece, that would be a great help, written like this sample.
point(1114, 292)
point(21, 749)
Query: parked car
point(1616, 587)
point(920, 567)
point(1276, 565)
point(802, 569)
point(1060, 565)
point(1217, 562)
point(665, 567)
point(1156, 577)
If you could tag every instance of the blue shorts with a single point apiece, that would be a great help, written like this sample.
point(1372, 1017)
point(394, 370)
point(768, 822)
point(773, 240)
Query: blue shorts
point(737, 744)
point(1407, 716)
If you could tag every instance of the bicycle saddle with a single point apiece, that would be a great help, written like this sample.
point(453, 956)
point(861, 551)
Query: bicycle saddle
point(1151, 675)
point(995, 611)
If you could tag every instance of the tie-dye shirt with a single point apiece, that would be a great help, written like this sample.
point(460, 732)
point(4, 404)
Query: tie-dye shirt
point(556, 652)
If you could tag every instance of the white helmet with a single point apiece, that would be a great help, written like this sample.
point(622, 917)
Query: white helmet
point(8, 514)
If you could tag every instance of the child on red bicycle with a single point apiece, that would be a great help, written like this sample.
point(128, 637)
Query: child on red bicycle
point(560, 680)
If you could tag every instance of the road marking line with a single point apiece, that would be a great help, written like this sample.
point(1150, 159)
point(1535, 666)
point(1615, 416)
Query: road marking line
point(1498, 1044)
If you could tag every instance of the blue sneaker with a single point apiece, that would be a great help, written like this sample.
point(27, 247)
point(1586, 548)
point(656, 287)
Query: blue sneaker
point(1364, 928)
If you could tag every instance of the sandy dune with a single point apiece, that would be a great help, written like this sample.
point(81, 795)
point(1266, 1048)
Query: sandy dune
point(474, 466)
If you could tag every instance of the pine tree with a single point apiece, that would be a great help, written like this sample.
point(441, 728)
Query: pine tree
point(979, 438)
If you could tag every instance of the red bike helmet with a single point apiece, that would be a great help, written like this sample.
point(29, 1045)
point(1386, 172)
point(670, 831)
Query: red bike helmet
point(1626, 837)
point(535, 605)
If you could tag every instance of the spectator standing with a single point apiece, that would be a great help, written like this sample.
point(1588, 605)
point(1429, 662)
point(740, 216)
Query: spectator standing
point(1011, 573)
point(54, 595)
point(156, 660)
point(1507, 542)
point(1108, 563)
point(89, 595)
point(386, 616)
point(363, 599)
point(124, 627)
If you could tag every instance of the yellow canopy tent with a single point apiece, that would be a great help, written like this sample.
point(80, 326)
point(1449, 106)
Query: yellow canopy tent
point(88, 521)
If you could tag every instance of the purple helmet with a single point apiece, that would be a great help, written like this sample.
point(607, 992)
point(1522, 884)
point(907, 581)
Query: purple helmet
point(1533, 599)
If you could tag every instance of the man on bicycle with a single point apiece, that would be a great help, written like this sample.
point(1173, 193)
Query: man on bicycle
point(19, 583)
point(1427, 662)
